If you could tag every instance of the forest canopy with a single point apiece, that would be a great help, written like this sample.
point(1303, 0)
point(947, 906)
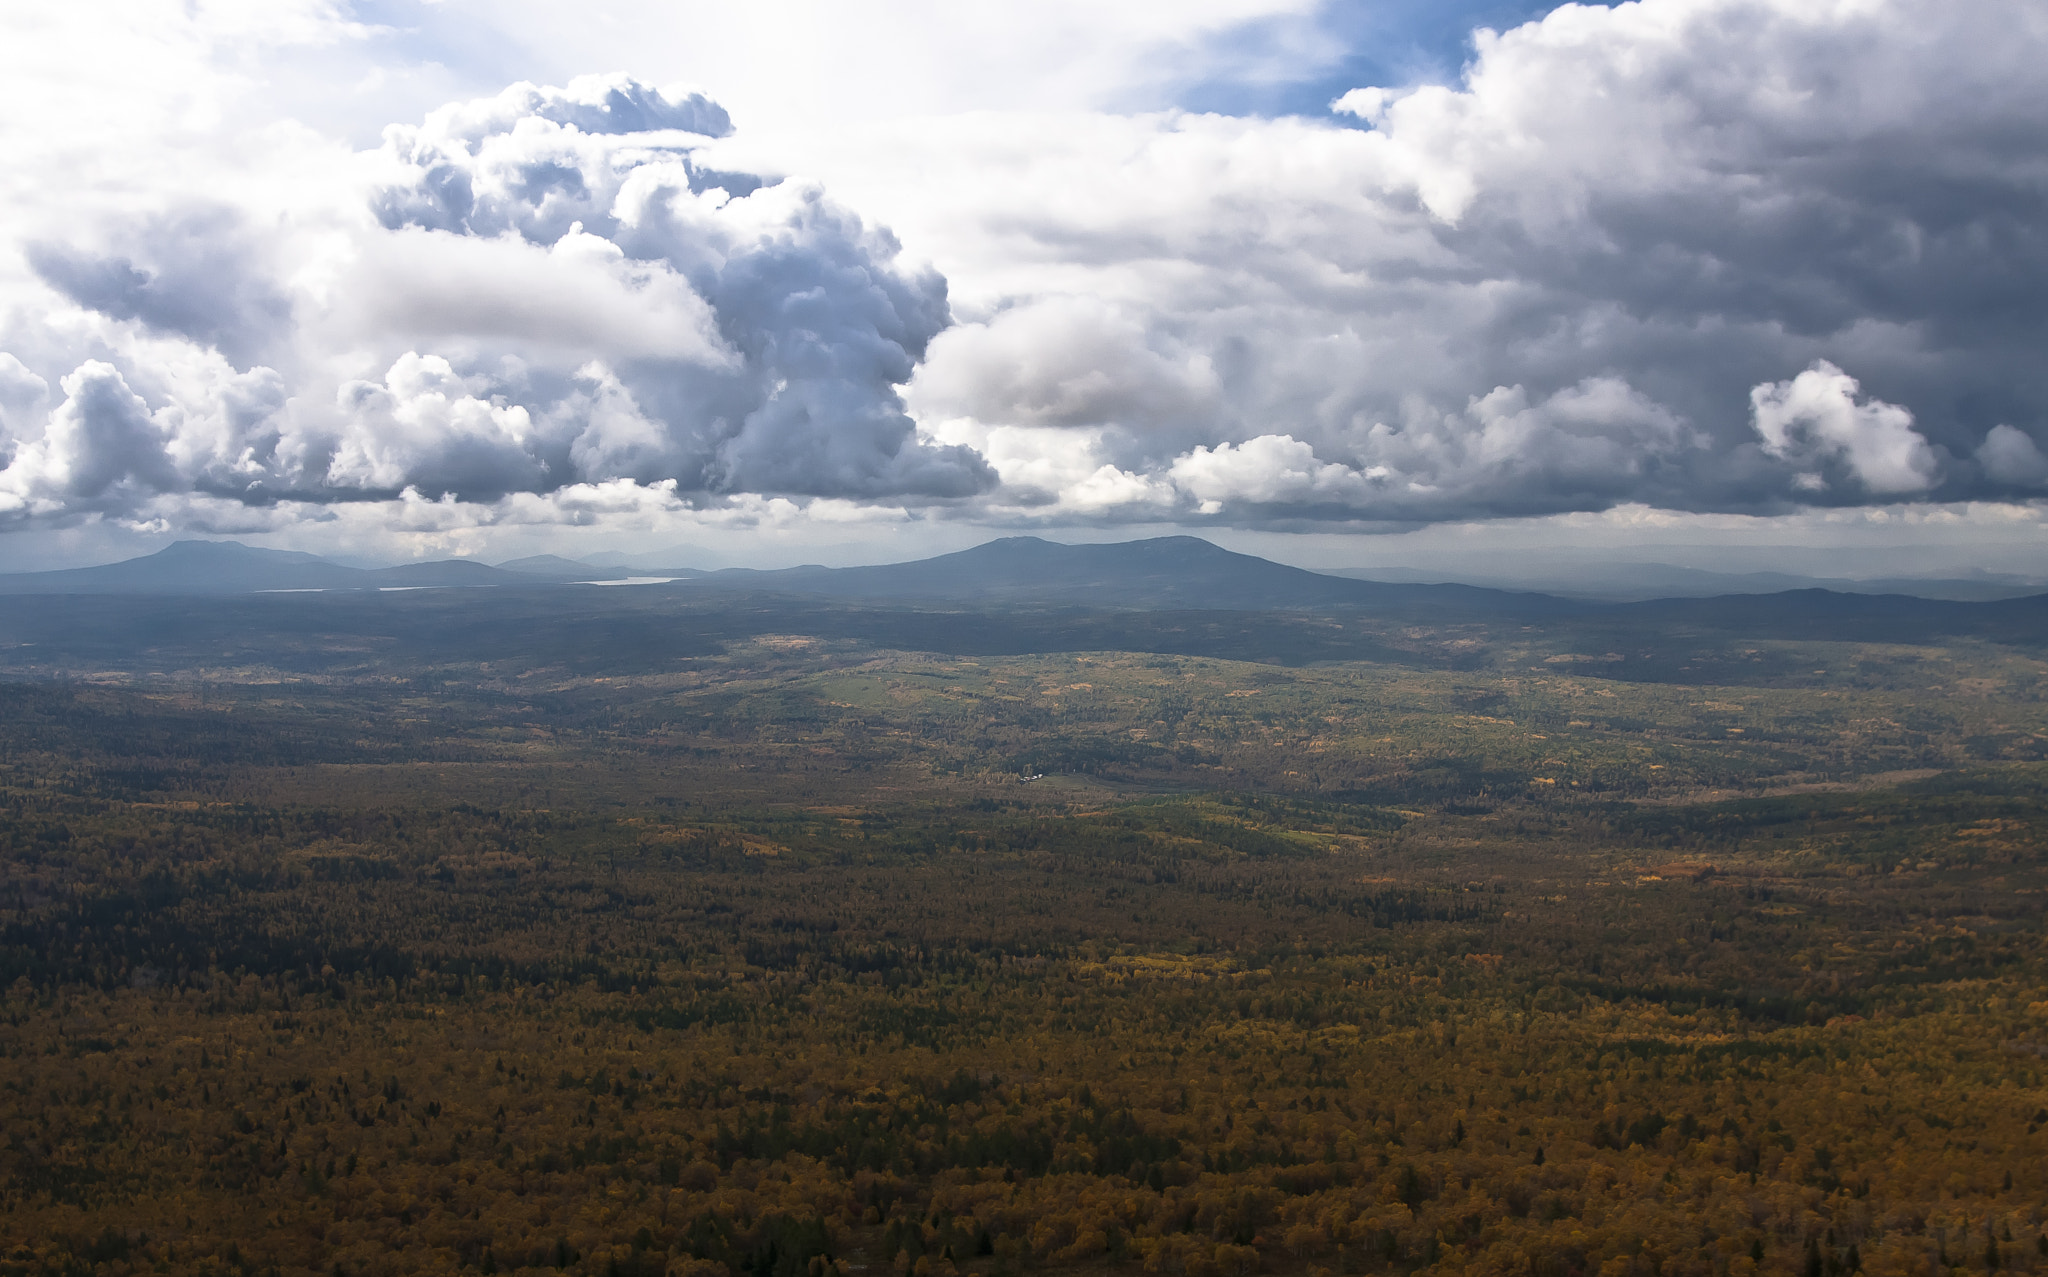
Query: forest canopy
point(789, 953)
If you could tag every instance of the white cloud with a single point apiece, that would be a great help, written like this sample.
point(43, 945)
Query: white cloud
point(423, 429)
point(1816, 417)
point(1596, 439)
point(1268, 470)
point(565, 303)
point(615, 437)
point(505, 301)
point(1551, 287)
point(100, 439)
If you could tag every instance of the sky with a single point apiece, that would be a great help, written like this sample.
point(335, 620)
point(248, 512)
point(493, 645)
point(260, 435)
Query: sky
point(1743, 283)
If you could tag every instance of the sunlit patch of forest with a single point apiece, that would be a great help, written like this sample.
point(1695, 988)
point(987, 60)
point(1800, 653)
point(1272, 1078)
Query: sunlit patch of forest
point(769, 961)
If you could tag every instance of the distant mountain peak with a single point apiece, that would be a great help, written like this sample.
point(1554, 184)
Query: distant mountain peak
point(229, 567)
point(550, 565)
point(226, 551)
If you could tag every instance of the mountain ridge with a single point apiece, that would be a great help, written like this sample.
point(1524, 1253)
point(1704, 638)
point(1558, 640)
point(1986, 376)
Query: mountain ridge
point(1154, 574)
point(211, 568)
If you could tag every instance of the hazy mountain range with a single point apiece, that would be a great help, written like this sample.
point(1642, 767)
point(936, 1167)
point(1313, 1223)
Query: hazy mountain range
point(1165, 572)
point(1619, 581)
point(203, 605)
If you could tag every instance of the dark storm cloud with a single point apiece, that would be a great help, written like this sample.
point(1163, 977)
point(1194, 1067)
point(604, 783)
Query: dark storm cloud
point(1817, 190)
point(1699, 205)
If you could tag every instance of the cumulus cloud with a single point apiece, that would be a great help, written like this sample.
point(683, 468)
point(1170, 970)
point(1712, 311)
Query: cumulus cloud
point(1740, 256)
point(1676, 200)
point(534, 292)
point(1596, 442)
point(765, 327)
point(100, 439)
point(1268, 470)
point(1599, 440)
point(422, 428)
point(577, 298)
point(1054, 472)
point(1815, 418)
point(532, 160)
